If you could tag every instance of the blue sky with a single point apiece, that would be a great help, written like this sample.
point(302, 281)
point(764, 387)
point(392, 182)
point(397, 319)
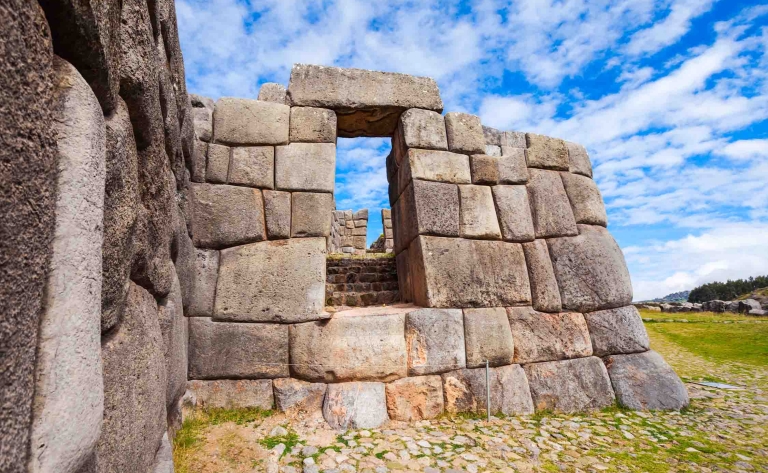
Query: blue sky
point(670, 97)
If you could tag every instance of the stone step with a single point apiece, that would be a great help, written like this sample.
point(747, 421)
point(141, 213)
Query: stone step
point(351, 278)
point(361, 299)
point(362, 287)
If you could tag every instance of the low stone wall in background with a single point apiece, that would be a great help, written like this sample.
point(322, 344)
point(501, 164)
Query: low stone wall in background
point(349, 232)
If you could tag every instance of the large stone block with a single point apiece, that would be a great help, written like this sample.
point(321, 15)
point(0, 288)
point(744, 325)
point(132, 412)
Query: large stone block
point(545, 295)
point(570, 385)
point(404, 280)
point(488, 337)
point(277, 214)
point(644, 381)
point(417, 128)
point(465, 133)
point(250, 122)
point(502, 169)
point(454, 272)
point(513, 139)
point(313, 125)
point(68, 398)
point(541, 336)
point(175, 332)
point(274, 281)
point(355, 406)
point(206, 274)
point(426, 208)
point(203, 120)
point(199, 161)
point(367, 103)
point(309, 167)
point(586, 201)
point(253, 166)
point(477, 218)
point(237, 351)
point(232, 393)
point(578, 159)
point(434, 339)
point(617, 331)
point(465, 391)
point(134, 388)
point(163, 462)
point(432, 165)
point(293, 395)
point(413, 399)
point(346, 348)
point(551, 209)
point(546, 152)
point(590, 270)
point(311, 214)
point(273, 92)
point(492, 136)
point(514, 213)
point(225, 216)
point(217, 164)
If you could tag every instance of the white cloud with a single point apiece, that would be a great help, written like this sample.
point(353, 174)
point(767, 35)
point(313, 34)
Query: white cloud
point(667, 31)
point(745, 150)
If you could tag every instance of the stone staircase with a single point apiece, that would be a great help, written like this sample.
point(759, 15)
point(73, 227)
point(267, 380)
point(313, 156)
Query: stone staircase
point(356, 282)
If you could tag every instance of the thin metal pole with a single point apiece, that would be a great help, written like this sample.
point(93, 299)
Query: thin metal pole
point(488, 389)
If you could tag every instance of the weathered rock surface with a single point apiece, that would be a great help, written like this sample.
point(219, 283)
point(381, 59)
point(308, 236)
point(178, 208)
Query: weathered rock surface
point(313, 125)
point(465, 133)
point(203, 120)
point(545, 295)
point(250, 122)
point(237, 351)
point(174, 329)
point(309, 167)
point(425, 208)
point(488, 337)
point(513, 139)
point(477, 217)
point(548, 337)
point(413, 399)
point(199, 162)
point(514, 213)
point(578, 159)
point(134, 412)
point(277, 214)
point(163, 462)
point(617, 331)
point(552, 214)
point(465, 391)
point(217, 165)
point(233, 393)
point(273, 281)
point(590, 271)
point(645, 381)
point(454, 272)
point(546, 153)
point(418, 128)
point(355, 406)
point(367, 103)
point(68, 398)
point(311, 214)
point(200, 304)
point(492, 136)
point(273, 92)
point(506, 169)
point(435, 341)
point(253, 166)
point(570, 385)
point(586, 201)
point(433, 165)
point(293, 395)
point(224, 216)
point(360, 348)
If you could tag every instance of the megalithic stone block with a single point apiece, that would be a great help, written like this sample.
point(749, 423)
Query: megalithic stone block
point(579, 162)
point(545, 293)
point(507, 169)
point(426, 208)
point(225, 216)
point(488, 337)
point(586, 201)
point(465, 391)
point(313, 125)
point(514, 213)
point(311, 214)
point(250, 122)
point(413, 399)
point(273, 92)
point(367, 103)
point(253, 166)
point(477, 217)
point(308, 167)
point(435, 341)
point(545, 152)
point(541, 336)
point(433, 165)
point(552, 214)
point(465, 133)
point(355, 405)
point(617, 331)
point(570, 385)
point(644, 381)
point(232, 393)
point(418, 128)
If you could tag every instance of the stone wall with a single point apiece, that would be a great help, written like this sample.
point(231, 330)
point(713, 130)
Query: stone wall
point(349, 232)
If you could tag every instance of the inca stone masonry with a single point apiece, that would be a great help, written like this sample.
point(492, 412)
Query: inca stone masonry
point(160, 249)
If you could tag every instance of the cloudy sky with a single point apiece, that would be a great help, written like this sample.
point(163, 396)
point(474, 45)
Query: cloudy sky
point(670, 97)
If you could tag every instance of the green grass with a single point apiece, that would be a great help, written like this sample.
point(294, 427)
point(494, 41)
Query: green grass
point(698, 317)
point(290, 440)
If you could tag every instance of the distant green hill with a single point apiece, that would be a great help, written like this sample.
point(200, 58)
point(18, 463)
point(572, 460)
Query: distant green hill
point(727, 291)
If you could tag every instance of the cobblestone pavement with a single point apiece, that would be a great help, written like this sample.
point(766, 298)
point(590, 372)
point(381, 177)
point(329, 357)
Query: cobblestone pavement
point(724, 430)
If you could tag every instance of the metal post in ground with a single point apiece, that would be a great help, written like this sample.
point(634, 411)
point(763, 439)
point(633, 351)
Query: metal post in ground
point(488, 389)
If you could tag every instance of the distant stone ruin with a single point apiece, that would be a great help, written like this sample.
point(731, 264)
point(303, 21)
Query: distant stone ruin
point(349, 232)
point(162, 250)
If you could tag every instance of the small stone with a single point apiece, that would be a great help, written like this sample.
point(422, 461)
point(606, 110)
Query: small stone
point(578, 159)
point(465, 133)
point(492, 170)
point(277, 214)
point(546, 153)
point(293, 395)
point(272, 92)
point(279, 431)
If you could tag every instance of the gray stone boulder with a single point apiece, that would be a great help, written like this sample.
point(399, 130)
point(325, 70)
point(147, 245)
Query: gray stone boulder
point(414, 399)
point(313, 125)
point(311, 214)
point(425, 208)
point(250, 122)
point(296, 396)
point(367, 103)
point(455, 272)
point(545, 152)
point(347, 348)
point(551, 209)
point(277, 214)
point(232, 393)
point(253, 166)
point(224, 216)
point(578, 159)
point(200, 303)
point(434, 339)
point(501, 169)
point(586, 201)
point(355, 406)
point(309, 167)
point(514, 213)
point(617, 331)
point(545, 294)
point(466, 391)
point(174, 329)
point(237, 351)
point(488, 337)
point(418, 128)
point(465, 133)
point(541, 336)
point(273, 281)
point(477, 216)
point(644, 381)
point(570, 385)
point(273, 92)
point(590, 271)
point(748, 305)
point(163, 462)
